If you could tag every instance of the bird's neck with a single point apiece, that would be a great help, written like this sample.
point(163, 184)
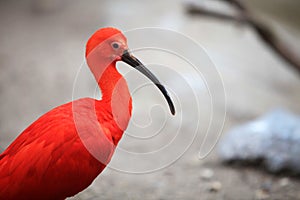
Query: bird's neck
point(116, 100)
point(112, 84)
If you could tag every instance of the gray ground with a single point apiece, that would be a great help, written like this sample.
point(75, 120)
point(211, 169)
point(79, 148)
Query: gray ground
point(42, 47)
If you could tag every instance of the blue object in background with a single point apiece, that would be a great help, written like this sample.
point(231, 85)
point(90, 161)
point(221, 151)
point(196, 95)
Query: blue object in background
point(273, 138)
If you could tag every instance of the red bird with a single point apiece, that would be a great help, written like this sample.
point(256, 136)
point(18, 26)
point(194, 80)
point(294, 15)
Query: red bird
point(62, 152)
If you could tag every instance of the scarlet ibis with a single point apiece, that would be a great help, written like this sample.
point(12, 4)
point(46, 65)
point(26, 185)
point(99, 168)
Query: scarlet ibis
point(63, 151)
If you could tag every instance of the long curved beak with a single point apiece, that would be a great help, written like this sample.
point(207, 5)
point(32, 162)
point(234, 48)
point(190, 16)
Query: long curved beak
point(135, 63)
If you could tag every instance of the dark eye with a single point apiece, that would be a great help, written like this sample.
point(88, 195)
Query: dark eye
point(115, 45)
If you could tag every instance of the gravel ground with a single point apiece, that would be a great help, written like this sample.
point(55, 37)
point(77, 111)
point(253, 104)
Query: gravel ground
point(42, 48)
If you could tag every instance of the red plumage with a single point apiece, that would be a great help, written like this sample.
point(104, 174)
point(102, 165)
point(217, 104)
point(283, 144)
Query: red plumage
point(62, 152)
point(48, 160)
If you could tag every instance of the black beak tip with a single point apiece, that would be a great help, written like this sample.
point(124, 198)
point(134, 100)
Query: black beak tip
point(171, 105)
point(173, 111)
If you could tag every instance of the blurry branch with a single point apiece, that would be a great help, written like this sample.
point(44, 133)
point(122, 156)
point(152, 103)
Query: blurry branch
point(263, 31)
point(236, 3)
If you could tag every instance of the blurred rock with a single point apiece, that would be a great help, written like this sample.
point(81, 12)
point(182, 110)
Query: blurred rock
point(215, 186)
point(207, 174)
point(273, 138)
point(266, 186)
point(284, 182)
point(261, 194)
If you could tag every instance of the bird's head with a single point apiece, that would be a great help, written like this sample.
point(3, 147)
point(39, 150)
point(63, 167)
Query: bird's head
point(109, 45)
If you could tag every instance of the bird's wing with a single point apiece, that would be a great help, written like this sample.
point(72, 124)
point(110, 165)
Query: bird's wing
point(57, 146)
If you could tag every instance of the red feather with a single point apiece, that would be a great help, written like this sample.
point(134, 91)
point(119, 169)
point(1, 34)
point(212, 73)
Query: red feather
point(62, 152)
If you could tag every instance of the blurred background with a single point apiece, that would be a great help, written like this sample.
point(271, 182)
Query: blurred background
point(42, 48)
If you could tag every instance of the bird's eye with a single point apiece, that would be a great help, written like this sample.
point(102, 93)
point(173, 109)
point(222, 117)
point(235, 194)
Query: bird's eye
point(115, 45)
